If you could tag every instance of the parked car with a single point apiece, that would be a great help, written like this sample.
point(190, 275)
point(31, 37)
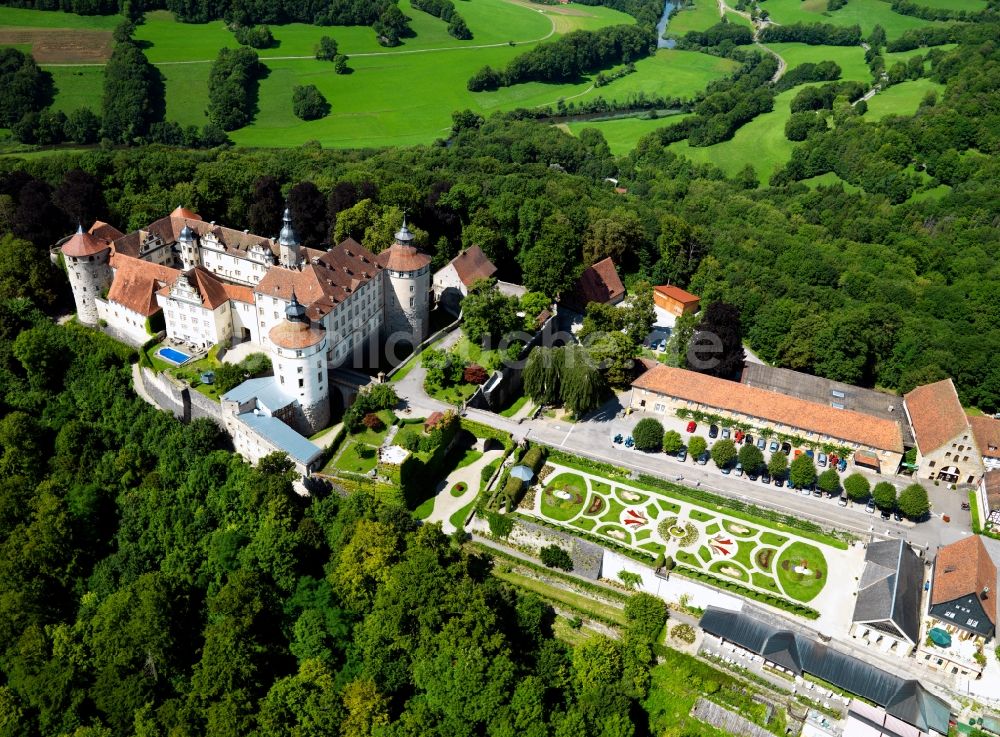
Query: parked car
point(761, 443)
point(773, 447)
point(739, 468)
point(842, 501)
point(662, 346)
point(726, 470)
point(821, 460)
point(798, 452)
point(870, 506)
point(748, 440)
point(682, 454)
point(804, 491)
point(786, 448)
point(886, 515)
point(842, 465)
point(725, 433)
point(703, 458)
point(738, 437)
point(713, 431)
point(896, 515)
point(817, 492)
point(810, 453)
point(765, 476)
point(692, 426)
point(629, 442)
point(779, 481)
point(833, 460)
point(752, 474)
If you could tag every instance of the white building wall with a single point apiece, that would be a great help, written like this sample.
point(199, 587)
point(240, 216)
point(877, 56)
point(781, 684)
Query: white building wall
point(193, 323)
point(240, 267)
point(88, 276)
point(244, 316)
point(447, 278)
point(302, 378)
point(132, 324)
point(407, 303)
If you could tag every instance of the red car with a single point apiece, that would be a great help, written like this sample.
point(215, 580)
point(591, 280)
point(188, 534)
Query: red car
point(833, 460)
point(739, 436)
point(692, 426)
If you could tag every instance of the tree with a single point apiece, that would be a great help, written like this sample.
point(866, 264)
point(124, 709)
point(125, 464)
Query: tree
point(582, 384)
point(488, 314)
point(308, 207)
point(24, 88)
point(542, 375)
point(474, 374)
point(724, 452)
point(617, 234)
point(751, 458)
point(555, 557)
point(884, 495)
point(83, 126)
point(615, 355)
point(326, 49)
point(802, 472)
point(645, 614)
point(648, 435)
point(672, 441)
point(550, 265)
point(340, 64)
point(232, 88)
point(81, 196)
point(266, 207)
point(913, 501)
point(829, 482)
point(857, 487)
point(717, 344)
point(697, 445)
point(308, 102)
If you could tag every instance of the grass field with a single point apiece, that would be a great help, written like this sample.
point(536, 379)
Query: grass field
point(865, 13)
point(78, 87)
point(967, 5)
point(622, 135)
point(827, 180)
point(904, 56)
point(851, 59)
point(701, 15)
point(901, 99)
point(24, 18)
point(761, 143)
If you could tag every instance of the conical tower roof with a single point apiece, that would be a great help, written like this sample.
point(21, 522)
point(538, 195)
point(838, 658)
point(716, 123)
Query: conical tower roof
point(83, 244)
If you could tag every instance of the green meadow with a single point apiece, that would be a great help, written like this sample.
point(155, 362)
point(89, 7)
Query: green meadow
point(24, 18)
point(901, 99)
point(865, 13)
point(623, 134)
point(700, 15)
point(970, 6)
point(851, 59)
point(904, 56)
point(78, 87)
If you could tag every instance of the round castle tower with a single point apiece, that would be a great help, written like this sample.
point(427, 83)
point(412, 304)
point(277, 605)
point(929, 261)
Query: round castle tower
point(407, 293)
point(87, 265)
point(288, 242)
point(300, 367)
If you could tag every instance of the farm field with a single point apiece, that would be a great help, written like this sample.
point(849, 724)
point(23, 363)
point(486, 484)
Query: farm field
point(971, 6)
point(23, 17)
point(851, 59)
point(761, 143)
point(904, 56)
point(865, 13)
point(901, 99)
point(78, 87)
point(703, 14)
point(622, 135)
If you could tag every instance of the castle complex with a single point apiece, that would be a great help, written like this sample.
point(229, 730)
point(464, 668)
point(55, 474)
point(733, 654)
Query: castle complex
point(205, 284)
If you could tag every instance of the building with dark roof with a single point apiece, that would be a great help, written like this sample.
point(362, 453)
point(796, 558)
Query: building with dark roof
point(665, 389)
point(887, 608)
point(598, 283)
point(836, 394)
point(904, 699)
point(964, 587)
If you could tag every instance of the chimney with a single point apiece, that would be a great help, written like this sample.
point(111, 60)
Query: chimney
point(986, 593)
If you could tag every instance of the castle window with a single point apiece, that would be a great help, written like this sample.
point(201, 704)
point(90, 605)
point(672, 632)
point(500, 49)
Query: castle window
point(319, 377)
point(300, 370)
point(301, 383)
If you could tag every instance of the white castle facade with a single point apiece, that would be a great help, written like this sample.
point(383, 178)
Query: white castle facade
point(310, 309)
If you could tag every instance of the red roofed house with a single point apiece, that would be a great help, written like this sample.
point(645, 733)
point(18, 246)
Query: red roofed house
point(675, 300)
point(132, 298)
point(664, 390)
point(598, 283)
point(946, 445)
point(452, 283)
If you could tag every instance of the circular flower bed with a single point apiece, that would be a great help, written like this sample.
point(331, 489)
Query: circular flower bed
point(460, 488)
point(684, 532)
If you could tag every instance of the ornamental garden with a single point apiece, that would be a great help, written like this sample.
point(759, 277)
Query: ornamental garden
point(757, 556)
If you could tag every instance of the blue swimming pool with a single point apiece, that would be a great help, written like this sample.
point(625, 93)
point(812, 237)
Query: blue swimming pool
point(173, 355)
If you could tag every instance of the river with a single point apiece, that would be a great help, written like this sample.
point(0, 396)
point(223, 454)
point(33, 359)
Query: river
point(661, 27)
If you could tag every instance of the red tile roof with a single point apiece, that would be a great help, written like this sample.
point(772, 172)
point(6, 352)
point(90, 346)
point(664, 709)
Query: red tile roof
point(813, 417)
point(669, 290)
point(991, 480)
point(472, 265)
point(986, 431)
point(935, 414)
point(105, 231)
point(598, 283)
point(136, 283)
point(81, 245)
point(965, 568)
point(183, 212)
point(403, 258)
point(295, 335)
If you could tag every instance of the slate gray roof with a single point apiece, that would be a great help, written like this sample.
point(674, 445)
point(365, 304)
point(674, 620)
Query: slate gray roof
point(282, 437)
point(264, 389)
point(890, 587)
point(904, 699)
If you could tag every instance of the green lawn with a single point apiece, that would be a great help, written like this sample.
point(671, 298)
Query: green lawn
point(727, 569)
point(761, 143)
point(803, 586)
point(470, 457)
point(772, 538)
point(971, 6)
point(559, 509)
point(738, 19)
point(829, 179)
point(350, 461)
point(623, 134)
point(458, 517)
point(865, 13)
point(901, 99)
point(850, 59)
point(735, 528)
point(77, 87)
point(762, 581)
point(375, 437)
point(24, 18)
point(514, 408)
point(668, 73)
point(613, 510)
point(701, 15)
point(895, 57)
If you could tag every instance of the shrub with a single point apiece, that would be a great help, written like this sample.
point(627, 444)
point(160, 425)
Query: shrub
point(487, 473)
point(512, 492)
point(534, 458)
point(340, 64)
point(648, 435)
point(474, 374)
point(631, 580)
point(500, 526)
point(373, 422)
point(884, 495)
point(913, 501)
point(258, 37)
point(308, 102)
point(683, 633)
point(646, 614)
point(857, 487)
point(555, 557)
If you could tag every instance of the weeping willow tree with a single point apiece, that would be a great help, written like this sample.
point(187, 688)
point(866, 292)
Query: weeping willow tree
point(568, 374)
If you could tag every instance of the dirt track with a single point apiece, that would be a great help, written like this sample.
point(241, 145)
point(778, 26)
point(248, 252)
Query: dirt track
point(60, 45)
